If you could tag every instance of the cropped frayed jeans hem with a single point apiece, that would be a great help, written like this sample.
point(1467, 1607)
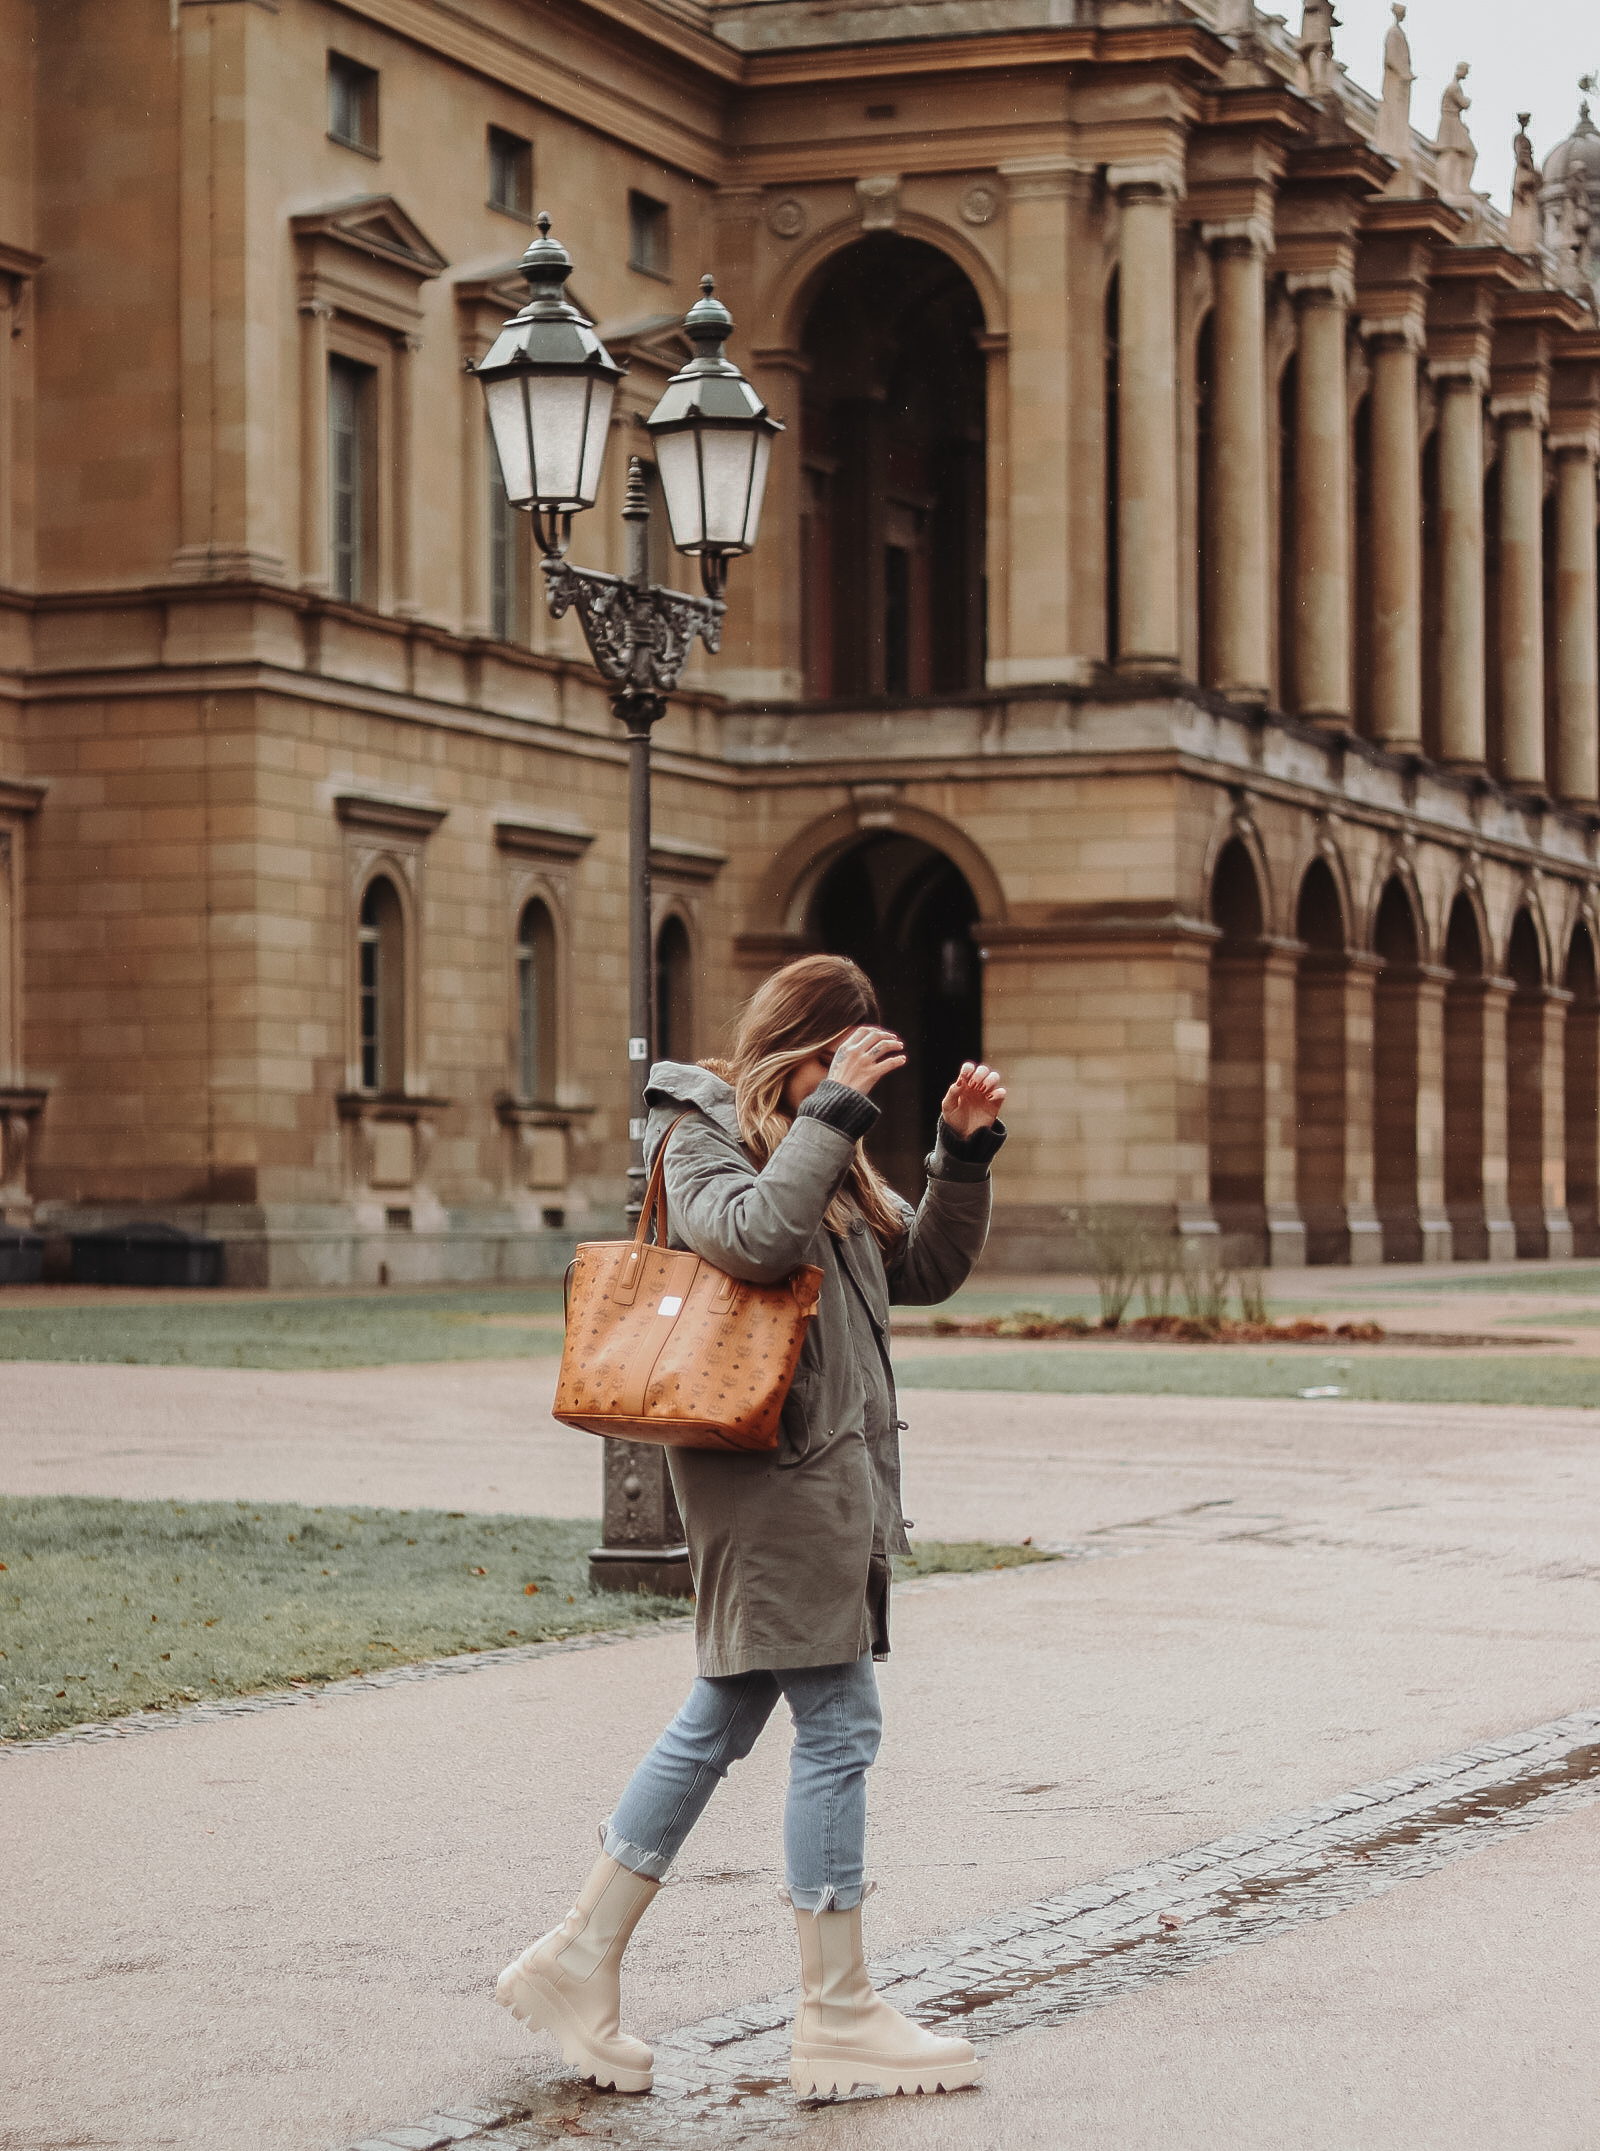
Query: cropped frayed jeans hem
point(838, 1725)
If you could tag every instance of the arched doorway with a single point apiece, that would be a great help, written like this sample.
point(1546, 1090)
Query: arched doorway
point(892, 445)
point(1395, 1071)
point(674, 991)
point(1474, 1195)
point(1583, 1092)
point(905, 913)
point(1525, 1081)
point(1324, 1115)
point(1238, 1097)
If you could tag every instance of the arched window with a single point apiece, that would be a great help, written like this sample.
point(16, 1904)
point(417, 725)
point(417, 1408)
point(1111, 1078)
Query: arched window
point(381, 945)
point(674, 993)
point(536, 1004)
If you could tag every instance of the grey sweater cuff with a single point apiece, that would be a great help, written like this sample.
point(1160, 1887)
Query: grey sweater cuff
point(965, 1157)
point(840, 1107)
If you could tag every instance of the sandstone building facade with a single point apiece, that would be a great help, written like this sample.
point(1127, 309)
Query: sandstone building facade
point(1170, 661)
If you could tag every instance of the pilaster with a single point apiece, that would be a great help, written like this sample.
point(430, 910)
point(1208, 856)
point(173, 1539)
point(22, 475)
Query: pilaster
point(1574, 445)
point(1238, 536)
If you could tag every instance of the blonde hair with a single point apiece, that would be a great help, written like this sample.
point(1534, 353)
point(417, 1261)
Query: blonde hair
point(800, 1011)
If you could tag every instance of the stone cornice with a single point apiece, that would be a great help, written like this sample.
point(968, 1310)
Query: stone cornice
point(537, 836)
point(22, 795)
point(387, 814)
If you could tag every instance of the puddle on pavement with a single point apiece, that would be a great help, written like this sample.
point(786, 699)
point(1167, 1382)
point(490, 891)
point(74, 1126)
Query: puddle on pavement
point(1070, 1973)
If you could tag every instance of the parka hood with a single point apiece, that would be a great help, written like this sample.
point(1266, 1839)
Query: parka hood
point(672, 1086)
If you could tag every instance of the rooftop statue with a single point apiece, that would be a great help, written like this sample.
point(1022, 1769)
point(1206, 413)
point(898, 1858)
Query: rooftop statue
point(1316, 48)
point(1523, 233)
point(1458, 153)
point(1392, 135)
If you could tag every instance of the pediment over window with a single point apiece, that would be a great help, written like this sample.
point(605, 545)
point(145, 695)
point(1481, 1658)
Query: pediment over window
point(655, 340)
point(488, 298)
point(366, 258)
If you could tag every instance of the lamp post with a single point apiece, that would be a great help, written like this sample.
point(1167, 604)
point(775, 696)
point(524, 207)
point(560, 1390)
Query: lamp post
point(549, 384)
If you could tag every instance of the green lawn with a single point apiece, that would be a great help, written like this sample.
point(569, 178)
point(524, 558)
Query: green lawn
point(1087, 1370)
point(108, 1607)
point(358, 1330)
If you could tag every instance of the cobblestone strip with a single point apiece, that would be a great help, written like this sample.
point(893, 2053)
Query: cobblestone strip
point(724, 2080)
point(333, 1691)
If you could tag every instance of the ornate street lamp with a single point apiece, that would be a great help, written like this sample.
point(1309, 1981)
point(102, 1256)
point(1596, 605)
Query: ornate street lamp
point(549, 384)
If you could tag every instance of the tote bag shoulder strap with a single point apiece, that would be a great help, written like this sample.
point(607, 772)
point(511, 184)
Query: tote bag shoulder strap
point(653, 1210)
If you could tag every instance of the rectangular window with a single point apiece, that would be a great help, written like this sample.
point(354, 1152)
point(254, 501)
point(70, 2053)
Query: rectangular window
point(507, 556)
point(349, 477)
point(352, 104)
point(510, 174)
point(648, 236)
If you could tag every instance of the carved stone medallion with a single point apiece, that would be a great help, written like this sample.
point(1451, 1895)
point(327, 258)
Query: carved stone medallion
point(786, 217)
point(981, 203)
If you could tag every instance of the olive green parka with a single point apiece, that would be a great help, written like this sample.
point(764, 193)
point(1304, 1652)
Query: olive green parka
point(790, 1549)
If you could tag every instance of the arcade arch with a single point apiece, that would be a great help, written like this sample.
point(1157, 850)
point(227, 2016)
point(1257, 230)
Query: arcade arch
point(1581, 1067)
point(1238, 1101)
point(1322, 1068)
point(1526, 1103)
point(904, 911)
point(894, 595)
point(1396, 1074)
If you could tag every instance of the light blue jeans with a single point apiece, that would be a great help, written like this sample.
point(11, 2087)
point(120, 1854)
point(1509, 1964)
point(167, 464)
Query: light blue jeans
point(838, 1724)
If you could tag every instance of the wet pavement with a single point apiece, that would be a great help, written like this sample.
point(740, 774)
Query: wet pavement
point(281, 1927)
point(724, 2080)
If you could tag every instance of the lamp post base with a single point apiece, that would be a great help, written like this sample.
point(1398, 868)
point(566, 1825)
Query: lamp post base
point(661, 1570)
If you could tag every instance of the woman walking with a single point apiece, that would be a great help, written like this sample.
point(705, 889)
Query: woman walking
point(790, 1550)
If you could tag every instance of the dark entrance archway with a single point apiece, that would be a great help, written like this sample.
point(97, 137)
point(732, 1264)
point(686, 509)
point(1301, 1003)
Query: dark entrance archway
point(1322, 1074)
point(1526, 1104)
point(1582, 1059)
point(892, 444)
point(1238, 1095)
point(905, 913)
point(1396, 1038)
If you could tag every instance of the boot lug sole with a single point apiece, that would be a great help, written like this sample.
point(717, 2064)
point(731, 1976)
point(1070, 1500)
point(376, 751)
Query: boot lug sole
point(532, 2001)
point(828, 2080)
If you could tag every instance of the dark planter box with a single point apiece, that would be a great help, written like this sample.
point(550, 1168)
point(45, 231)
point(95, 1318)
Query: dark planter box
point(21, 1256)
point(145, 1255)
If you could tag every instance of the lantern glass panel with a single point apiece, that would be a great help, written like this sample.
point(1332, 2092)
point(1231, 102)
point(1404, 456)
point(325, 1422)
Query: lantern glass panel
point(678, 462)
point(726, 458)
point(509, 420)
point(758, 486)
point(594, 451)
point(558, 414)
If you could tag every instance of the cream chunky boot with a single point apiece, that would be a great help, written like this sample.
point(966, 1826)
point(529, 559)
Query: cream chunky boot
point(568, 1983)
point(846, 2035)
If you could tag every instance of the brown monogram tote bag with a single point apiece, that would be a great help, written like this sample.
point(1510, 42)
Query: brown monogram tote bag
point(662, 1347)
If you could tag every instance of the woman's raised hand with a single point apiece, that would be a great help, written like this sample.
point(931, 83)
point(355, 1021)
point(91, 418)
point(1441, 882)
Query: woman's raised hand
point(973, 1100)
point(865, 1057)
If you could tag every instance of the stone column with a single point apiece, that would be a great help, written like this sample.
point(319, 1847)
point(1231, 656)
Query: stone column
point(1286, 1232)
point(1462, 740)
point(1147, 422)
point(1238, 534)
point(1396, 537)
point(1553, 1174)
point(1433, 1216)
point(1522, 590)
point(315, 315)
point(1322, 502)
point(777, 657)
point(406, 348)
point(1361, 1216)
point(997, 490)
point(1038, 641)
point(1500, 1235)
point(1577, 604)
point(1582, 1121)
point(1475, 1120)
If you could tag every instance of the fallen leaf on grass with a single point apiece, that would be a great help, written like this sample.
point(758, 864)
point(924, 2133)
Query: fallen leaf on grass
point(530, 1590)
